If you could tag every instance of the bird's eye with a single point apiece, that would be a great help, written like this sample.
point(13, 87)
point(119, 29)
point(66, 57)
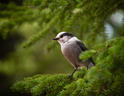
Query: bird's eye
point(61, 36)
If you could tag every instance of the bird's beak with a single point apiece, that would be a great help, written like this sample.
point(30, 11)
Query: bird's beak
point(55, 38)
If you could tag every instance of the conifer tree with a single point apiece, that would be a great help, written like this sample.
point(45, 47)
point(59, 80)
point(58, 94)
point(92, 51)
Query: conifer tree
point(84, 18)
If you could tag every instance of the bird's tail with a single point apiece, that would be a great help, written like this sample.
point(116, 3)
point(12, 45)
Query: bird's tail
point(88, 64)
point(91, 60)
point(91, 64)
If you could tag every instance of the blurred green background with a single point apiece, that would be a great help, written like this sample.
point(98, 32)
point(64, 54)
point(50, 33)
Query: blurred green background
point(22, 19)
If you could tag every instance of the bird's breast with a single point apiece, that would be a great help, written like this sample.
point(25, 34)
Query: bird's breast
point(71, 51)
point(67, 48)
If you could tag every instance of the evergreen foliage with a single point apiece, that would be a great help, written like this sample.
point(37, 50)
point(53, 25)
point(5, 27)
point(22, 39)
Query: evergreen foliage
point(104, 79)
point(43, 84)
point(24, 22)
point(79, 16)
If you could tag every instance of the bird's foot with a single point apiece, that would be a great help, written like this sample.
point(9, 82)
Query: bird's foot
point(71, 77)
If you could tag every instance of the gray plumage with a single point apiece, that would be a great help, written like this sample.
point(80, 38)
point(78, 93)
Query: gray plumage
point(71, 48)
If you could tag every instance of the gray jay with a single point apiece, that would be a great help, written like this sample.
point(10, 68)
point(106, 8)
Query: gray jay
point(71, 48)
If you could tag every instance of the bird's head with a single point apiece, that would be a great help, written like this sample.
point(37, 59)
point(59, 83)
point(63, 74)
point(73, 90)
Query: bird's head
point(63, 37)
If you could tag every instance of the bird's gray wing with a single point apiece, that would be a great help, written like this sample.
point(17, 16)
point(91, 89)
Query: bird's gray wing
point(81, 45)
point(84, 48)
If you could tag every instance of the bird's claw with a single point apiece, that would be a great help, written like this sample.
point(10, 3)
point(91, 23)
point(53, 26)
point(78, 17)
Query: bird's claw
point(71, 77)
